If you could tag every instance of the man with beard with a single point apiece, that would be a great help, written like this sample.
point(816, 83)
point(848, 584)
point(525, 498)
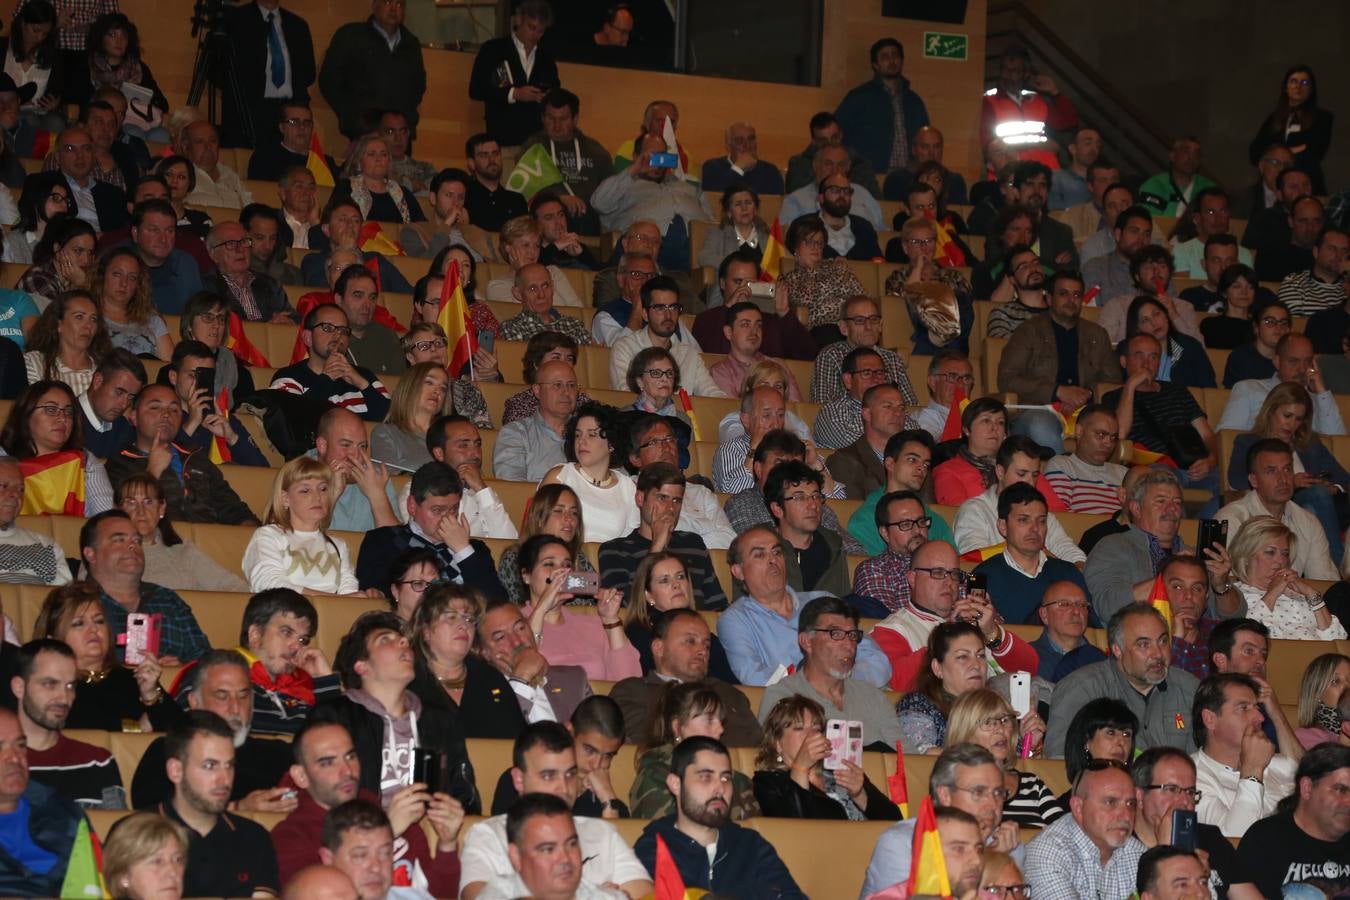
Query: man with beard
point(227, 855)
point(488, 203)
point(1022, 287)
point(1139, 674)
point(1110, 274)
point(222, 687)
point(847, 235)
point(962, 855)
point(45, 689)
point(290, 677)
point(661, 307)
point(1093, 851)
point(828, 635)
point(1031, 181)
point(903, 524)
point(745, 864)
point(327, 334)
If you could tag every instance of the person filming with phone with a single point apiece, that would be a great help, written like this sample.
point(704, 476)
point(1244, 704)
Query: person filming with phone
point(192, 375)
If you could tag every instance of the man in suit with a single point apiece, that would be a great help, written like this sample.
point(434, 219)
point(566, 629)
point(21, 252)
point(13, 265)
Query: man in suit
point(682, 646)
point(102, 205)
point(434, 523)
point(512, 74)
point(273, 63)
point(546, 693)
point(858, 466)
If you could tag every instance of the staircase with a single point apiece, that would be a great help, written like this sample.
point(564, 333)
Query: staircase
point(1132, 140)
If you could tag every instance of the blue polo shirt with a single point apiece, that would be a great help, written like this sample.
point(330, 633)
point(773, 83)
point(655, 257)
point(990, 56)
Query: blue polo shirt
point(174, 282)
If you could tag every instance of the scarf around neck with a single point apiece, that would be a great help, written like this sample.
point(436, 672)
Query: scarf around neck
point(363, 197)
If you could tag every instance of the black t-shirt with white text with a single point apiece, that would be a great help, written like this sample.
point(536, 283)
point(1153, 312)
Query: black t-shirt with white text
point(1275, 852)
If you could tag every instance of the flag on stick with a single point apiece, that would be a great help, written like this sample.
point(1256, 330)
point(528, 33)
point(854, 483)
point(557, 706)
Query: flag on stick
point(895, 784)
point(928, 869)
point(454, 319)
point(952, 430)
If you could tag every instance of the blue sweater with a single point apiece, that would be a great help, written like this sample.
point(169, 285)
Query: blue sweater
point(1017, 597)
point(746, 864)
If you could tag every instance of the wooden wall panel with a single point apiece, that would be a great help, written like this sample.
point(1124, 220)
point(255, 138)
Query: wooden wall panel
point(612, 100)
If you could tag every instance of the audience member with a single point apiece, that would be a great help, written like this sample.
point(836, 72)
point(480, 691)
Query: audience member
point(745, 329)
point(907, 461)
point(267, 253)
point(1070, 185)
point(173, 275)
point(545, 693)
point(253, 297)
point(67, 342)
point(903, 524)
point(1171, 193)
point(880, 117)
point(956, 666)
point(170, 561)
point(41, 434)
point(982, 521)
point(1295, 361)
point(145, 855)
point(825, 131)
point(1268, 229)
point(1275, 595)
point(214, 183)
point(375, 64)
point(1218, 254)
point(984, 426)
point(582, 161)
point(357, 838)
point(982, 716)
point(858, 321)
point(1164, 782)
point(1322, 702)
point(1151, 272)
point(30, 556)
point(328, 369)
point(1185, 584)
point(1295, 252)
point(839, 422)
point(98, 203)
point(1255, 356)
point(1324, 285)
point(1111, 275)
point(512, 75)
point(341, 229)
point(925, 146)
point(741, 164)
point(1062, 647)
point(559, 245)
point(1088, 480)
point(660, 309)
point(273, 159)
point(1274, 157)
point(289, 676)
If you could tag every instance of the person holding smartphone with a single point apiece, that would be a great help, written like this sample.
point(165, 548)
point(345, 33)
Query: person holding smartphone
point(192, 374)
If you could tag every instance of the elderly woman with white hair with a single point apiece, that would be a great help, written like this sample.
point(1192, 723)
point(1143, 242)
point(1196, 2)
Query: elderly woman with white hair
point(1276, 597)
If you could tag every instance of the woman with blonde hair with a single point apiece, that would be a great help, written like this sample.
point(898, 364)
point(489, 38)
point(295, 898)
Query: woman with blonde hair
point(292, 548)
point(555, 510)
point(145, 858)
point(1320, 481)
point(765, 373)
point(426, 342)
point(122, 288)
point(791, 780)
point(983, 717)
point(661, 584)
point(520, 246)
point(684, 710)
point(107, 693)
point(1276, 597)
point(1001, 879)
point(400, 440)
point(1322, 706)
point(365, 181)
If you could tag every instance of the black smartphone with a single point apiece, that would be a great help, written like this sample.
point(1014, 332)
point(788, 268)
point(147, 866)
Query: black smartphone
point(206, 380)
point(1212, 531)
point(1183, 829)
point(977, 581)
point(460, 786)
point(429, 767)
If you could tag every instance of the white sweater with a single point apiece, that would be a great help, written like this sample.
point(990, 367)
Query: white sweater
point(300, 560)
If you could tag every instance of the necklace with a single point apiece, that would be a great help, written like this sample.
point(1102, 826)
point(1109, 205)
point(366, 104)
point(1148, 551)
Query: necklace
point(453, 684)
point(95, 676)
point(600, 482)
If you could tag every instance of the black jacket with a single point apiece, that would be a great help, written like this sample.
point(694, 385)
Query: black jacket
point(270, 159)
point(201, 494)
point(13, 375)
point(383, 545)
point(487, 708)
point(110, 204)
point(248, 45)
point(746, 865)
point(779, 795)
point(510, 123)
point(865, 245)
point(436, 727)
point(360, 72)
point(259, 764)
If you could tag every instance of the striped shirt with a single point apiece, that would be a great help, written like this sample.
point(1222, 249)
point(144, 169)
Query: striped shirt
point(81, 772)
point(1005, 317)
point(372, 403)
point(1033, 805)
point(1086, 488)
point(1170, 406)
point(1305, 294)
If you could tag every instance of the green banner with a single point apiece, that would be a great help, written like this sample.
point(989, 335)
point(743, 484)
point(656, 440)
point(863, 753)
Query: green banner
point(534, 171)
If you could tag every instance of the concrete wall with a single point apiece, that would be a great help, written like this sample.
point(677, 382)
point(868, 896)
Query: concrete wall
point(1213, 67)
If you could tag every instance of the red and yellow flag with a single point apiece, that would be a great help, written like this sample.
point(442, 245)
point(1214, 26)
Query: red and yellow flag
point(952, 430)
point(895, 784)
point(220, 449)
point(454, 319)
point(980, 554)
point(770, 263)
point(948, 253)
point(1070, 421)
point(1146, 457)
point(239, 344)
point(53, 484)
point(382, 314)
point(928, 868)
point(688, 406)
point(372, 239)
point(1157, 598)
point(317, 162)
point(668, 883)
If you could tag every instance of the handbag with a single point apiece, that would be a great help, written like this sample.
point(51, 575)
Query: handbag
point(934, 306)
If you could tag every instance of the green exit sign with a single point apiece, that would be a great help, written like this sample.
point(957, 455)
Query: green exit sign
point(941, 45)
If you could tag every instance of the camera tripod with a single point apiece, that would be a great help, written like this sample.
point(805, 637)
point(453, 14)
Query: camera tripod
point(213, 71)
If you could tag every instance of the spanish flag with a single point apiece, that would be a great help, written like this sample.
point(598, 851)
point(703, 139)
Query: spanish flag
point(770, 262)
point(952, 430)
point(239, 344)
point(980, 554)
point(454, 319)
point(1157, 598)
point(928, 868)
point(1070, 421)
point(895, 784)
point(948, 253)
point(373, 240)
point(688, 406)
point(317, 162)
point(220, 450)
point(53, 484)
point(1146, 457)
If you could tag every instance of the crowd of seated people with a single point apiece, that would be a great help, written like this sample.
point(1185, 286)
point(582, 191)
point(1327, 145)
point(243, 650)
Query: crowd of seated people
point(547, 468)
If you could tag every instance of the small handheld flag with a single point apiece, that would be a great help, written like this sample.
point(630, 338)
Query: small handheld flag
point(770, 263)
point(952, 430)
point(895, 784)
point(317, 162)
point(454, 319)
point(1157, 598)
point(242, 348)
point(688, 406)
point(928, 869)
point(669, 884)
point(220, 450)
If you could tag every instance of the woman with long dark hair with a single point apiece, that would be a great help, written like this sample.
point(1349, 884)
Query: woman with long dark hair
point(67, 342)
point(30, 56)
point(114, 56)
point(62, 260)
point(45, 196)
point(43, 434)
point(1298, 123)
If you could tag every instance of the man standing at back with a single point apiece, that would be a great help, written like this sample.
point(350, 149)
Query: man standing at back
point(273, 63)
point(880, 117)
point(511, 75)
point(375, 64)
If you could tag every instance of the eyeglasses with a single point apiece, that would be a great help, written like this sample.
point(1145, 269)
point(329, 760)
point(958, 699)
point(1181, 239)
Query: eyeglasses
point(424, 346)
point(817, 243)
point(842, 191)
point(1080, 605)
point(462, 619)
point(937, 573)
point(1003, 891)
point(657, 442)
point(330, 328)
point(298, 123)
point(863, 320)
point(51, 410)
point(639, 274)
point(1301, 82)
point(1176, 790)
point(869, 373)
point(392, 131)
point(908, 524)
point(58, 197)
point(838, 634)
point(954, 377)
point(802, 497)
point(1272, 322)
point(660, 373)
point(235, 244)
point(920, 242)
point(665, 307)
point(989, 723)
point(1275, 163)
point(984, 792)
point(214, 318)
point(417, 584)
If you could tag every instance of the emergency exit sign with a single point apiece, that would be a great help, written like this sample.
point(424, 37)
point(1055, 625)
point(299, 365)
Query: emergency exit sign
point(941, 45)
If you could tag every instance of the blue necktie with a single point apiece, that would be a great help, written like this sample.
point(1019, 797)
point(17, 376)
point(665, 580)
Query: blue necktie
point(277, 51)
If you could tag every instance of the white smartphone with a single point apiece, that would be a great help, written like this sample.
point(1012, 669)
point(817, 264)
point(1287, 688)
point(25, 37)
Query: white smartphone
point(846, 743)
point(1019, 692)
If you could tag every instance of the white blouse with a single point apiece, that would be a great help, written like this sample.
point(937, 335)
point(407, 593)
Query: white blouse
point(606, 513)
point(1291, 619)
point(299, 560)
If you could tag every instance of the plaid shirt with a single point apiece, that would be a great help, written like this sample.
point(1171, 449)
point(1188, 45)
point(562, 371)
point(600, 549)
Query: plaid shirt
point(827, 380)
point(527, 325)
point(241, 286)
point(1194, 658)
point(883, 579)
point(180, 635)
point(1064, 864)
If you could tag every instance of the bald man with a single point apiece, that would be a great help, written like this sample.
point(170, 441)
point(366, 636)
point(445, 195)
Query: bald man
point(319, 883)
point(1295, 361)
point(741, 164)
point(102, 205)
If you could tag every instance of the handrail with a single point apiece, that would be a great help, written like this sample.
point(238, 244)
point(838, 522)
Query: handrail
point(1087, 70)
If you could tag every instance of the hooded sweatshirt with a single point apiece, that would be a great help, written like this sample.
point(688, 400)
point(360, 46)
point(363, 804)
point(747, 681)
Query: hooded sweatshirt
point(400, 740)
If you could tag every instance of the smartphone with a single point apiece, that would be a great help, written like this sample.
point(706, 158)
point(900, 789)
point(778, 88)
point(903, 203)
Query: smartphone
point(846, 743)
point(1183, 829)
point(762, 295)
point(460, 786)
point(429, 768)
point(1212, 531)
point(1019, 692)
point(141, 638)
point(487, 340)
point(206, 380)
point(977, 581)
point(583, 583)
point(663, 161)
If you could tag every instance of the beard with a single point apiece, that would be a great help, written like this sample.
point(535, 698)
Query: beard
point(202, 802)
point(40, 716)
point(835, 208)
point(701, 814)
